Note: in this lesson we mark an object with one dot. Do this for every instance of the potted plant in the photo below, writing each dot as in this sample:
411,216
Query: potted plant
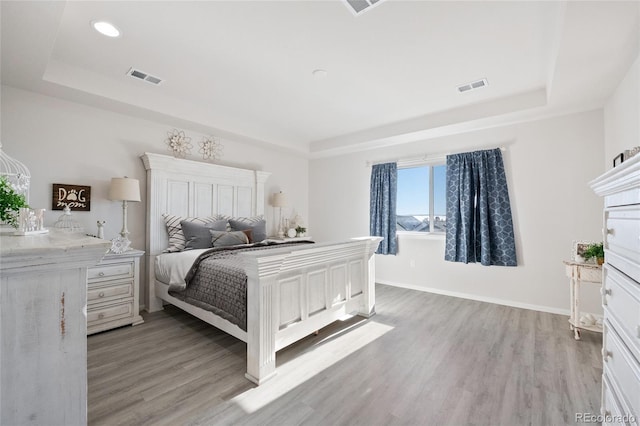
300,231
10,203
595,250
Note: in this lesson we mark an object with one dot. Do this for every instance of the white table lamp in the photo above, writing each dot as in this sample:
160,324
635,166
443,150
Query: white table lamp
280,200
123,189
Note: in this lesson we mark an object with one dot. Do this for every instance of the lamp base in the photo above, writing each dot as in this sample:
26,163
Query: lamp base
119,244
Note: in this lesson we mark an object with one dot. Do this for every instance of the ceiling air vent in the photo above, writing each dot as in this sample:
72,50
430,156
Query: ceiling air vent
360,6
473,85
141,75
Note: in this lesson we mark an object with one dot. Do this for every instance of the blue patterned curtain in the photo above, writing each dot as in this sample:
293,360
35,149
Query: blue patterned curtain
479,223
382,206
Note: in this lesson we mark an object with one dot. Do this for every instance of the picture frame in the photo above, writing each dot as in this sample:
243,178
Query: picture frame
76,197
578,250
619,159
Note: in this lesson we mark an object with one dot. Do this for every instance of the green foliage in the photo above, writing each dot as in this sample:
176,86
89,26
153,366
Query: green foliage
300,229
594,250
10,202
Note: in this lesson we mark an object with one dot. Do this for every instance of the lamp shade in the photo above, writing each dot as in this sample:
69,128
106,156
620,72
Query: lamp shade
279,199
124,189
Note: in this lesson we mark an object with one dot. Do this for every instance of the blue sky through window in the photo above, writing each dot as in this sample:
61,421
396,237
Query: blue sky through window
413,191
440,190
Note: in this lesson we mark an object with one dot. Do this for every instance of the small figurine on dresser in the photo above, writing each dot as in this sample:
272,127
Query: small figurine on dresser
101,229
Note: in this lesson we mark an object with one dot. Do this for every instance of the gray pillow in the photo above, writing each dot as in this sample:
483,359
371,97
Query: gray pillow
225,239
197,235
258,228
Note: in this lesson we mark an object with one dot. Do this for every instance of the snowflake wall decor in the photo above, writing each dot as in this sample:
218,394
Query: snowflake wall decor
178,143
210,148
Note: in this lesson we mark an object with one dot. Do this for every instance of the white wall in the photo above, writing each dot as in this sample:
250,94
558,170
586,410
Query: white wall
66,142
622,115
548,163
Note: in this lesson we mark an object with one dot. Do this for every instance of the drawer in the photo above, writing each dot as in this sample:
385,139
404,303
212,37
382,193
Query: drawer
612,412
622,239
105,313
584,272
111,271
621,299
103,293
591,274
624,367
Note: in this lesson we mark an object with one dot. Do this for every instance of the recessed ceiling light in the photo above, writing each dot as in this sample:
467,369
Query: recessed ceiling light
319,73
106,28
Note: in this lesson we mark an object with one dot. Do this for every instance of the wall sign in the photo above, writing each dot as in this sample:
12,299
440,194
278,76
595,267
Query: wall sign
77,197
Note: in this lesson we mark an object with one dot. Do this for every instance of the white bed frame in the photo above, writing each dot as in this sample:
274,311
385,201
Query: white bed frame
292,291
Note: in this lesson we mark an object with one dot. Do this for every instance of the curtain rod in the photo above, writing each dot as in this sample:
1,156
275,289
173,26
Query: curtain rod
423,159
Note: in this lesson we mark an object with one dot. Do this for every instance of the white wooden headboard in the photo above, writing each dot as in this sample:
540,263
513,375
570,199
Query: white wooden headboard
193,188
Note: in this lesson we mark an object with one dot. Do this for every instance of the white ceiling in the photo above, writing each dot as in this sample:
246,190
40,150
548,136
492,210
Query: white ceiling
243,69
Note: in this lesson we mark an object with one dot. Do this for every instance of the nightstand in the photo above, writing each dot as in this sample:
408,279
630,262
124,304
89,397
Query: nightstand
113,296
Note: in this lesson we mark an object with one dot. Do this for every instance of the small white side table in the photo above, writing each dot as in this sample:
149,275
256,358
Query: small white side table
579,273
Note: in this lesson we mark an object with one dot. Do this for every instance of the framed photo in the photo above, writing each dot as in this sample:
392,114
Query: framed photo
76,197
618,160
578,250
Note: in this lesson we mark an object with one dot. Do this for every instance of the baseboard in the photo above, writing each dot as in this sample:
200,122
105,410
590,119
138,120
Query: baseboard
468,296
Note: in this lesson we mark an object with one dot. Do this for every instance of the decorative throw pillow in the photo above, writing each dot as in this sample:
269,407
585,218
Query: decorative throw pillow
249,234
257,225
225,239
197,236
174,229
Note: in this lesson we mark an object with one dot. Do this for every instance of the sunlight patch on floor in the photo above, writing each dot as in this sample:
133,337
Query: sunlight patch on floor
306,365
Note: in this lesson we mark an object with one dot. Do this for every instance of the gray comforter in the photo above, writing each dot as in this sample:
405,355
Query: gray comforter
217,282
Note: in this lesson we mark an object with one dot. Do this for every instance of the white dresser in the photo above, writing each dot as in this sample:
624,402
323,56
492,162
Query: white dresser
113,292
43,340
620,188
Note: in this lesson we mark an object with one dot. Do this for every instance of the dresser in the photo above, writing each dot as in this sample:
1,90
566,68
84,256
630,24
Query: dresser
620,188
43,340
113,292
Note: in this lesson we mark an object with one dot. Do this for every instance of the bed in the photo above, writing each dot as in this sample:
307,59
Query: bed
292,290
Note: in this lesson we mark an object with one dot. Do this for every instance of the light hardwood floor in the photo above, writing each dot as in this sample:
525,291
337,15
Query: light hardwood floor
424,359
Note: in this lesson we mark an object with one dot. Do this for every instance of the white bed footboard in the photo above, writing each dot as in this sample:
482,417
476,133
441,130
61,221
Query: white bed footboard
293,291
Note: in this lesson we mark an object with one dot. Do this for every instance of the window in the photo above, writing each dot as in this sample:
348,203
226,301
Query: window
421,203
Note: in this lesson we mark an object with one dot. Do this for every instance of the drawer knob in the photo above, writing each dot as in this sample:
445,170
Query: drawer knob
609,231
101,294
606,355
605,292
100,316
101,274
